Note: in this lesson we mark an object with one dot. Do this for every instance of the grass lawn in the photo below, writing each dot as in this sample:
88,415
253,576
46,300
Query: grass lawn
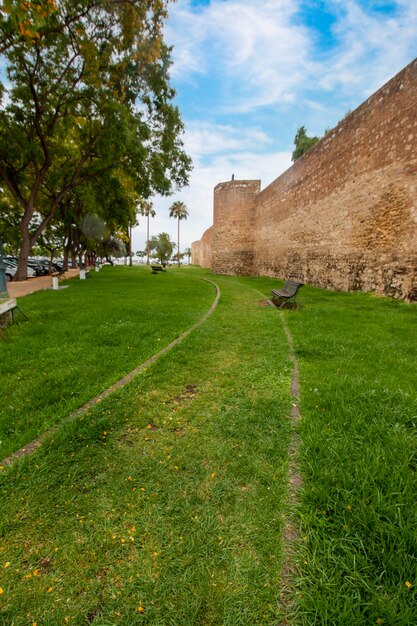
358,368
164,504
82,339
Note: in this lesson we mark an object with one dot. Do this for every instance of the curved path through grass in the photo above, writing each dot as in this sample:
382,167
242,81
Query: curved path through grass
32,446
84,339
165,503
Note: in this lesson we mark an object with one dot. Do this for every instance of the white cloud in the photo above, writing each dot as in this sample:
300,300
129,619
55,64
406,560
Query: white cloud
257,56
371,47
254,47
218,151
203,138
263,55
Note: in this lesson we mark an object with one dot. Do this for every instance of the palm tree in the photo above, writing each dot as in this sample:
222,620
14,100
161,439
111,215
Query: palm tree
187,253
146,209
180,211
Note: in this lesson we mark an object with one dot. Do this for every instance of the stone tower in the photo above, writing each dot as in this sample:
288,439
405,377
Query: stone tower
234,220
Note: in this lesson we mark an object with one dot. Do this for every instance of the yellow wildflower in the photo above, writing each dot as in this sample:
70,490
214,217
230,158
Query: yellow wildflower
6,565
140,609
1,590
408,584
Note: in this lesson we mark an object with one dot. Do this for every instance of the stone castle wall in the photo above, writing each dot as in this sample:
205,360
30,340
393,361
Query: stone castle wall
201,251
344,215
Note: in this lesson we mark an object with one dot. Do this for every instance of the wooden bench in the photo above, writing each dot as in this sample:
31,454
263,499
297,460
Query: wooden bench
7,311
157,268
281,297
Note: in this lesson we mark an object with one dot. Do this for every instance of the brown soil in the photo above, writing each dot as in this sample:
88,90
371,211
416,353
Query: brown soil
25,287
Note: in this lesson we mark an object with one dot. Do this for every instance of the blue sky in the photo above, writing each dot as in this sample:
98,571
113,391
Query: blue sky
248,73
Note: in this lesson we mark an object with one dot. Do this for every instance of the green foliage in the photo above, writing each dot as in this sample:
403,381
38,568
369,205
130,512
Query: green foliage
163,247
302,142
89,106
178,210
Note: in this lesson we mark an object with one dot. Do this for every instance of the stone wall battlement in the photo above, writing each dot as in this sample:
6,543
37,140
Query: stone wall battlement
344,216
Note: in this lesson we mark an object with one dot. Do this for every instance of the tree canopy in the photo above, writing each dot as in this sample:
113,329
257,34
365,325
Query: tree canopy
87,120
302,142
163,247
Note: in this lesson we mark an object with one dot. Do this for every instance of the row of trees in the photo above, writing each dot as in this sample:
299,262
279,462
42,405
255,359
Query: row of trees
162,244
88,128
162,248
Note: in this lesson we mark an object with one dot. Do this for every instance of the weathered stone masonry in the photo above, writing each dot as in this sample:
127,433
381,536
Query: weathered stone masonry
343,216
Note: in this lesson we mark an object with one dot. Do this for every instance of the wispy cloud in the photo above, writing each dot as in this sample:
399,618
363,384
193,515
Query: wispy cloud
255,48
203,139
250,72
263,55
371,46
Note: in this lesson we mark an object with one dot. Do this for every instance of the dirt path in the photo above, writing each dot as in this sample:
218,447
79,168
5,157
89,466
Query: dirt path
25,287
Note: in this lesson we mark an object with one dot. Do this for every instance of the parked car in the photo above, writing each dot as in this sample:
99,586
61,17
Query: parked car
11,269
41,269
56,265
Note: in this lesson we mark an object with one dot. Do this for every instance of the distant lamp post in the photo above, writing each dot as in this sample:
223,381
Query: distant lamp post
3,284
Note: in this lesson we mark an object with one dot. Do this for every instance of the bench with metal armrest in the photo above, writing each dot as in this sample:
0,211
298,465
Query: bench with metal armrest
281,297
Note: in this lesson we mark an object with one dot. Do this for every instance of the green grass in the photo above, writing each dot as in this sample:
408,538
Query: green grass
170,494
358,362
167,496
80,340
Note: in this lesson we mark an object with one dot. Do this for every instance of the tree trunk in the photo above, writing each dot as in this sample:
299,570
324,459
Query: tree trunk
130,245
22,263
147,242
178,251
67,248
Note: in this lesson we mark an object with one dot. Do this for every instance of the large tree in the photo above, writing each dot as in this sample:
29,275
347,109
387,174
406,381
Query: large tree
87,92
178,210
